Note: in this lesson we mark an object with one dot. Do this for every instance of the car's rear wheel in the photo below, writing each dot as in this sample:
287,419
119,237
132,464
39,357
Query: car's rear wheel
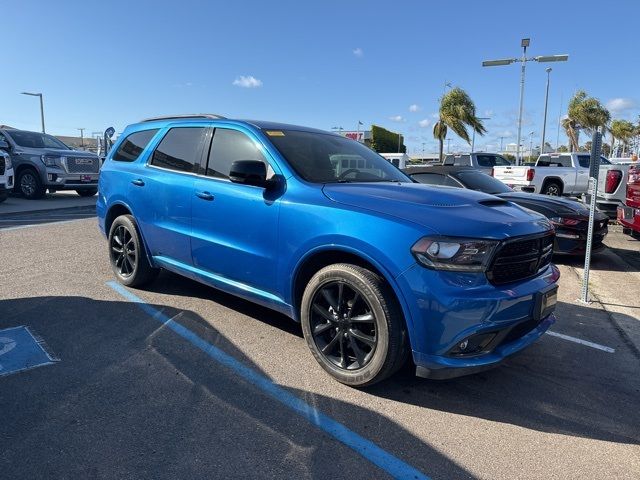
353,325
126,253
87,192
29,185
553,189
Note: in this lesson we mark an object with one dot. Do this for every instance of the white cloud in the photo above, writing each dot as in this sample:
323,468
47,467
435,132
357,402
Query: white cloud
488,113
397,118
414,108
435,116
424,123
618,105
358,52
247,82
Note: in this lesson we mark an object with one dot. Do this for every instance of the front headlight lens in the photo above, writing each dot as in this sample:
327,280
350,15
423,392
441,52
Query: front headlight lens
564,221
50,160
458,254
7,162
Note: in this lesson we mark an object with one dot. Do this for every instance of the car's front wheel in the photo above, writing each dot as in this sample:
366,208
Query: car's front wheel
29,184
126,252
353,325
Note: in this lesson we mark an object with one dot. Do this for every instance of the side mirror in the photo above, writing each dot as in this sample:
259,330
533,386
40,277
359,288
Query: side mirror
249,172
4,145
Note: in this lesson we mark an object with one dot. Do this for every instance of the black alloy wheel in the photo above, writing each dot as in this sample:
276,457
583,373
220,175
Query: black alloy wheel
124,255
343,326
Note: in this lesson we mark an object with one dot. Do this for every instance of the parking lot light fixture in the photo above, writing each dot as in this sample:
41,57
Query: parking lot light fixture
41,106
542,58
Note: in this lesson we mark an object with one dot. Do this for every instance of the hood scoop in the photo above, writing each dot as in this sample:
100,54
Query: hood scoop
493,203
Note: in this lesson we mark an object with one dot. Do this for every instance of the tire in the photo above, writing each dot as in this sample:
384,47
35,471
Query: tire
361,352
87,192
29,184
127,256
553,189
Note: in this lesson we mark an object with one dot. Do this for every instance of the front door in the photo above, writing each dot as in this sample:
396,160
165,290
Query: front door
235,227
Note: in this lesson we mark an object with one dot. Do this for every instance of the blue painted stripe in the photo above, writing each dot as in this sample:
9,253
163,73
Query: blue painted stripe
369,450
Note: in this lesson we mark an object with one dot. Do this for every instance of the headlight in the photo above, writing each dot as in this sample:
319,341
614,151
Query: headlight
564,221
7,162
450,253
50,160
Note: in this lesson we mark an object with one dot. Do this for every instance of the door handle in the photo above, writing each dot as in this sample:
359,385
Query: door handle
204,195
138,183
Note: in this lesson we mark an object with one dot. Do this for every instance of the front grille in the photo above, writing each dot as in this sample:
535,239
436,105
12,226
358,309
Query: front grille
2,164
521,258
82,165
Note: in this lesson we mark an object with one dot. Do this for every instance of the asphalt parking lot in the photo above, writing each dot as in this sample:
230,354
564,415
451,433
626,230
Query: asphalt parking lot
180,380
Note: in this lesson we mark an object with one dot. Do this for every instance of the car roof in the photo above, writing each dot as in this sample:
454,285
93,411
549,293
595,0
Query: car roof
193,118
440,169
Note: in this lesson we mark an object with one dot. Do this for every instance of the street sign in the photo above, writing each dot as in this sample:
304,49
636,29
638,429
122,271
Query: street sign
594,170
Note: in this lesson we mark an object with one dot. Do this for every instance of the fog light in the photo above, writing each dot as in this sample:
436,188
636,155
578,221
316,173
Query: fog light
463,345
473,345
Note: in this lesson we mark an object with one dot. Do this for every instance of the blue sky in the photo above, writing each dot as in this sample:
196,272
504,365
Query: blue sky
321,64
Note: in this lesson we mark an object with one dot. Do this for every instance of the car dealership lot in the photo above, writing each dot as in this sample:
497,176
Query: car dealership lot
192,382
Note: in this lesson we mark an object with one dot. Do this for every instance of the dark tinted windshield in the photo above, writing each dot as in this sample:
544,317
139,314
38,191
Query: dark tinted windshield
585,161
482,182
492,161
36,140
326,158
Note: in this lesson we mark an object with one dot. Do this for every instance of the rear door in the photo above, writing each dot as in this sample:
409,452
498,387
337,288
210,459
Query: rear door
163,193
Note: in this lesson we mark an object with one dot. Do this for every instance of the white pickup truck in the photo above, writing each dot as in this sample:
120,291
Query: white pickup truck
6,176
553,174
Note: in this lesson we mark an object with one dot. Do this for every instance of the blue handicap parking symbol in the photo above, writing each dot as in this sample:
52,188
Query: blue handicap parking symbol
21,350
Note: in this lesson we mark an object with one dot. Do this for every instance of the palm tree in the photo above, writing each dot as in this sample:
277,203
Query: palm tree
623,131
584,113
457,112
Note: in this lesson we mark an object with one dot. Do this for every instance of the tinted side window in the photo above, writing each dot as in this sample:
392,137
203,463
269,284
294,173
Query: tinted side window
430,178
486,161
227,147
462,160
180,149
133,145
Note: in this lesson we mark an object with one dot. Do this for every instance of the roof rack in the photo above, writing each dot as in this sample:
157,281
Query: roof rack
188,115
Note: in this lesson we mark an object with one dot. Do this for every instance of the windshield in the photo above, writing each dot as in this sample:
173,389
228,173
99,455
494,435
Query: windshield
482,182
36,140
326,158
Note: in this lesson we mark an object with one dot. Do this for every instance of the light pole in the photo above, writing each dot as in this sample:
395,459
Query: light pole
41,106
423,150
501,138
448,145
473,137
544,122
399,138
507,61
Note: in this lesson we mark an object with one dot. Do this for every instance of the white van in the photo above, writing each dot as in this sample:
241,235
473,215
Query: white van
400,160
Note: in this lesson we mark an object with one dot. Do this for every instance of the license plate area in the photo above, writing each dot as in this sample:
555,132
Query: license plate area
546,301
85,178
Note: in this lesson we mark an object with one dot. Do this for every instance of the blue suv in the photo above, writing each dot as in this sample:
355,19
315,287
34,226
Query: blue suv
323,229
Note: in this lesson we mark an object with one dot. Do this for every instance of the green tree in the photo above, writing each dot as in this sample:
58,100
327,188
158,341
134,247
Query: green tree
584,113
457,112
386,141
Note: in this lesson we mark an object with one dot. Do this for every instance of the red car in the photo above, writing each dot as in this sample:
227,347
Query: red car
629,215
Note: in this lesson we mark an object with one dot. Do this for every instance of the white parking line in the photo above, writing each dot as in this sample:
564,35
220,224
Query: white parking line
581,342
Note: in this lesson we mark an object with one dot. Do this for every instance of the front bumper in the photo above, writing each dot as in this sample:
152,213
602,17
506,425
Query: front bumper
448,308
574,242
58,179
7,180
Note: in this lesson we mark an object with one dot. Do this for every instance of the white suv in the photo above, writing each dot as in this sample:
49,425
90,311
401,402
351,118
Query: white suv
6,176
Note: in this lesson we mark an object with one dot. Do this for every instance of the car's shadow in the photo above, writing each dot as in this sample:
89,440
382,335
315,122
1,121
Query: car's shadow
132,399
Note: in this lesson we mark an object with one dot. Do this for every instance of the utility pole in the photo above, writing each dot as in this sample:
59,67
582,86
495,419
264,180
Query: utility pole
448,145
501,138
82,136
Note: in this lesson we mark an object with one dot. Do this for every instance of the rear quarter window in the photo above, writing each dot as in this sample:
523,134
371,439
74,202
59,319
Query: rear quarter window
132,146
